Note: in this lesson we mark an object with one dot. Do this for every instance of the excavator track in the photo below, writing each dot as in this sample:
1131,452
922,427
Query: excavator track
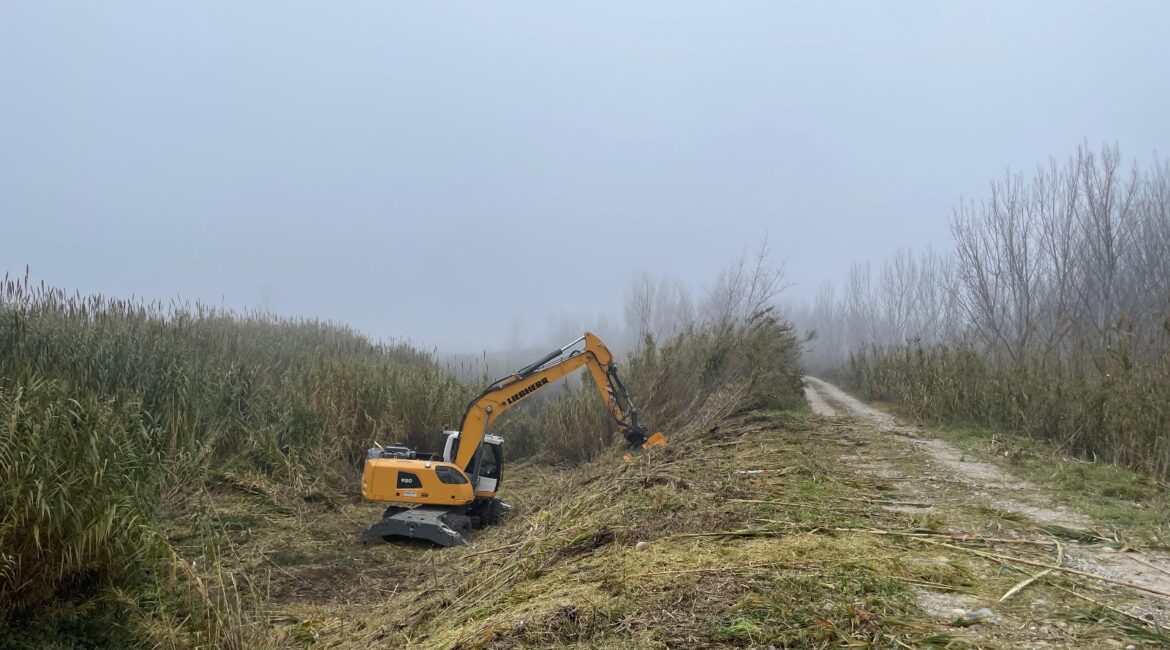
443,526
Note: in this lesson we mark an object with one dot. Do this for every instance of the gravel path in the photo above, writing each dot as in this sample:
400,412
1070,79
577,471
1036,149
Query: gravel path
984,484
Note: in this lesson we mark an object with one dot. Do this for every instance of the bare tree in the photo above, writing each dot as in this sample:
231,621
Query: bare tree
746,287
1076,255
659,307
1056,196
1105,229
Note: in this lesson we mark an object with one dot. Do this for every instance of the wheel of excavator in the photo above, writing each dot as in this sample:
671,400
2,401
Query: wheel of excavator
488,513
460,524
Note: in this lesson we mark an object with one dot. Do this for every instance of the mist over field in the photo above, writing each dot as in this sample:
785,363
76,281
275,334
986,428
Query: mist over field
879,295
470,177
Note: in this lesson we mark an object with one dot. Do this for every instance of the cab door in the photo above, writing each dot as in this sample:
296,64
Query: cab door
490,465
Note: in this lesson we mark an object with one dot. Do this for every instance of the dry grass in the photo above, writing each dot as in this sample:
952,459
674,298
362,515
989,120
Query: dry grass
801,555
565,570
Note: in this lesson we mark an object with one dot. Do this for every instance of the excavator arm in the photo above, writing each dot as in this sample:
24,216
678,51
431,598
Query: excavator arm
514,388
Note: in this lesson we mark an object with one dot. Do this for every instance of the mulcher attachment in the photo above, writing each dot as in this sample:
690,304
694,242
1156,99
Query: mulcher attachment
443,526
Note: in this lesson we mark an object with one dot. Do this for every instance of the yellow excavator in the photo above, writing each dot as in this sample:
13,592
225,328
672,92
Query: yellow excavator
440,498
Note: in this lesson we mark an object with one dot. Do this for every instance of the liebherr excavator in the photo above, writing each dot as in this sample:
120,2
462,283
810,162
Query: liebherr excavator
441,497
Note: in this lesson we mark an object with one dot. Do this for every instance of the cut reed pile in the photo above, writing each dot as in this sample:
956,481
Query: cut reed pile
754,532
566,569
756,529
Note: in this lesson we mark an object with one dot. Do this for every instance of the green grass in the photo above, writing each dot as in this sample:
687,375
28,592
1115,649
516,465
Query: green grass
1133,504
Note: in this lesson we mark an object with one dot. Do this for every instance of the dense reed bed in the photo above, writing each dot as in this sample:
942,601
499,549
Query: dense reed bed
745,364
117,416
1097,405
114,410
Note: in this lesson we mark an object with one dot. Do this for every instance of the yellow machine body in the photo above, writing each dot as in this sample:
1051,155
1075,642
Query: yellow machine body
396,480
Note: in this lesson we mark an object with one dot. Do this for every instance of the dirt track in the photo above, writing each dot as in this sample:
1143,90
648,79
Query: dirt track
937,474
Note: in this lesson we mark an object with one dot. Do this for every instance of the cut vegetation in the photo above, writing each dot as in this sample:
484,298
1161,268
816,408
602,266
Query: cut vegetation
1118,564
763,528
181,478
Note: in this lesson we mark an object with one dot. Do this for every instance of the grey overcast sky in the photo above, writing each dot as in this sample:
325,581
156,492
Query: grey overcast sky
439,171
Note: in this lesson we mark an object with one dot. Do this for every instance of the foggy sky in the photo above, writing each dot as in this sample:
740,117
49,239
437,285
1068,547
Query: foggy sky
451,172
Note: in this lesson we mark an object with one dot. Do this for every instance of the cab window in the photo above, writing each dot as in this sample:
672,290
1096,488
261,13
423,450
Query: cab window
487,462
490,461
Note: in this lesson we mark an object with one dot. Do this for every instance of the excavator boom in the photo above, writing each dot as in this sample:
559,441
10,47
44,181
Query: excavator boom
510,390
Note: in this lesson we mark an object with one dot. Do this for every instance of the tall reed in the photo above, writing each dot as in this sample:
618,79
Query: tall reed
753,364
1098,404
108,407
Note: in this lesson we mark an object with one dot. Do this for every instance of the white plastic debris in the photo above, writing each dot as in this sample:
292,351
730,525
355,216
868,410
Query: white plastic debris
978,615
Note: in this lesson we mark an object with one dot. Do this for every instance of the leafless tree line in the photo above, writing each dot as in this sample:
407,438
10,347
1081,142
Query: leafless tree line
1076,255
660,307
664,307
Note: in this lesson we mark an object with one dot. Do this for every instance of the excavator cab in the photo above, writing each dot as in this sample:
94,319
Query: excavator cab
487,466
